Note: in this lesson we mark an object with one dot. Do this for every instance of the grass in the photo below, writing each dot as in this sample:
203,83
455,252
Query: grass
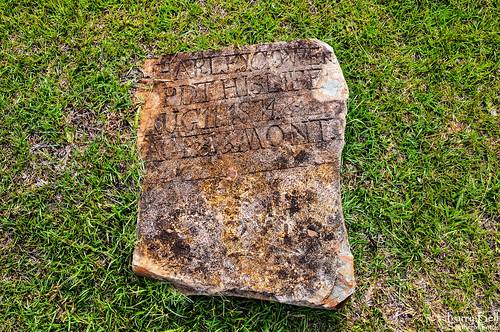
420,185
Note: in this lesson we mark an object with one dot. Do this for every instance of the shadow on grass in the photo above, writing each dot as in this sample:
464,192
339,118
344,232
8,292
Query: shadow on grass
229,313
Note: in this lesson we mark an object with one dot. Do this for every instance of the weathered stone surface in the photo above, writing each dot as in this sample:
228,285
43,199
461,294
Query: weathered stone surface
241,188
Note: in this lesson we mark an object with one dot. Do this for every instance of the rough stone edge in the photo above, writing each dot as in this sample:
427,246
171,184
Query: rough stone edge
141,267
344,92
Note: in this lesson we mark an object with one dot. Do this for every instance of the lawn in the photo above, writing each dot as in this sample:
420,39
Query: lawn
420,172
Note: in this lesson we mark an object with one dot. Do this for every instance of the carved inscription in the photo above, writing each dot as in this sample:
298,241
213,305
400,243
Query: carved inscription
163,147
175,67
240,85
241,150
226,103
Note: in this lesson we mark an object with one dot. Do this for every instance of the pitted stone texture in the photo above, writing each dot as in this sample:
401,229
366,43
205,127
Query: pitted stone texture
241,148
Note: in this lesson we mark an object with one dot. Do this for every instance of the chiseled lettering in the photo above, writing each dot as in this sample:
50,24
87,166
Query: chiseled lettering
248,107
253,139
202,66
188,94
201,90
219,65
238,63
183,69
274,135
259,60
298,132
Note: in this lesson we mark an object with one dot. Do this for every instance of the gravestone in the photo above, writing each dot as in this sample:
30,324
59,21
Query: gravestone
241,149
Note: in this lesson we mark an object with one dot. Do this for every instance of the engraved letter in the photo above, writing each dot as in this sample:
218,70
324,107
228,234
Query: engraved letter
274,135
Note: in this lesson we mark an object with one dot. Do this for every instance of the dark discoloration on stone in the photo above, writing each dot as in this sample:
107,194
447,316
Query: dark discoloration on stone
241,192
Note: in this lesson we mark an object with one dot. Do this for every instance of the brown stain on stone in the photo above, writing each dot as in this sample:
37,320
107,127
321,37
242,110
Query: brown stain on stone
241,192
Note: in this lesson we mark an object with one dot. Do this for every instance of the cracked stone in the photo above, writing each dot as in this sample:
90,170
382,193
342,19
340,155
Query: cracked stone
241,150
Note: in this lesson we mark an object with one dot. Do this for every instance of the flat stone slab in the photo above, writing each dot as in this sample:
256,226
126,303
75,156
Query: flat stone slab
241,150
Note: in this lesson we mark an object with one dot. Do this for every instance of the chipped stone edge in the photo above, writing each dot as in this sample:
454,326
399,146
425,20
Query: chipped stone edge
332,87
336,298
